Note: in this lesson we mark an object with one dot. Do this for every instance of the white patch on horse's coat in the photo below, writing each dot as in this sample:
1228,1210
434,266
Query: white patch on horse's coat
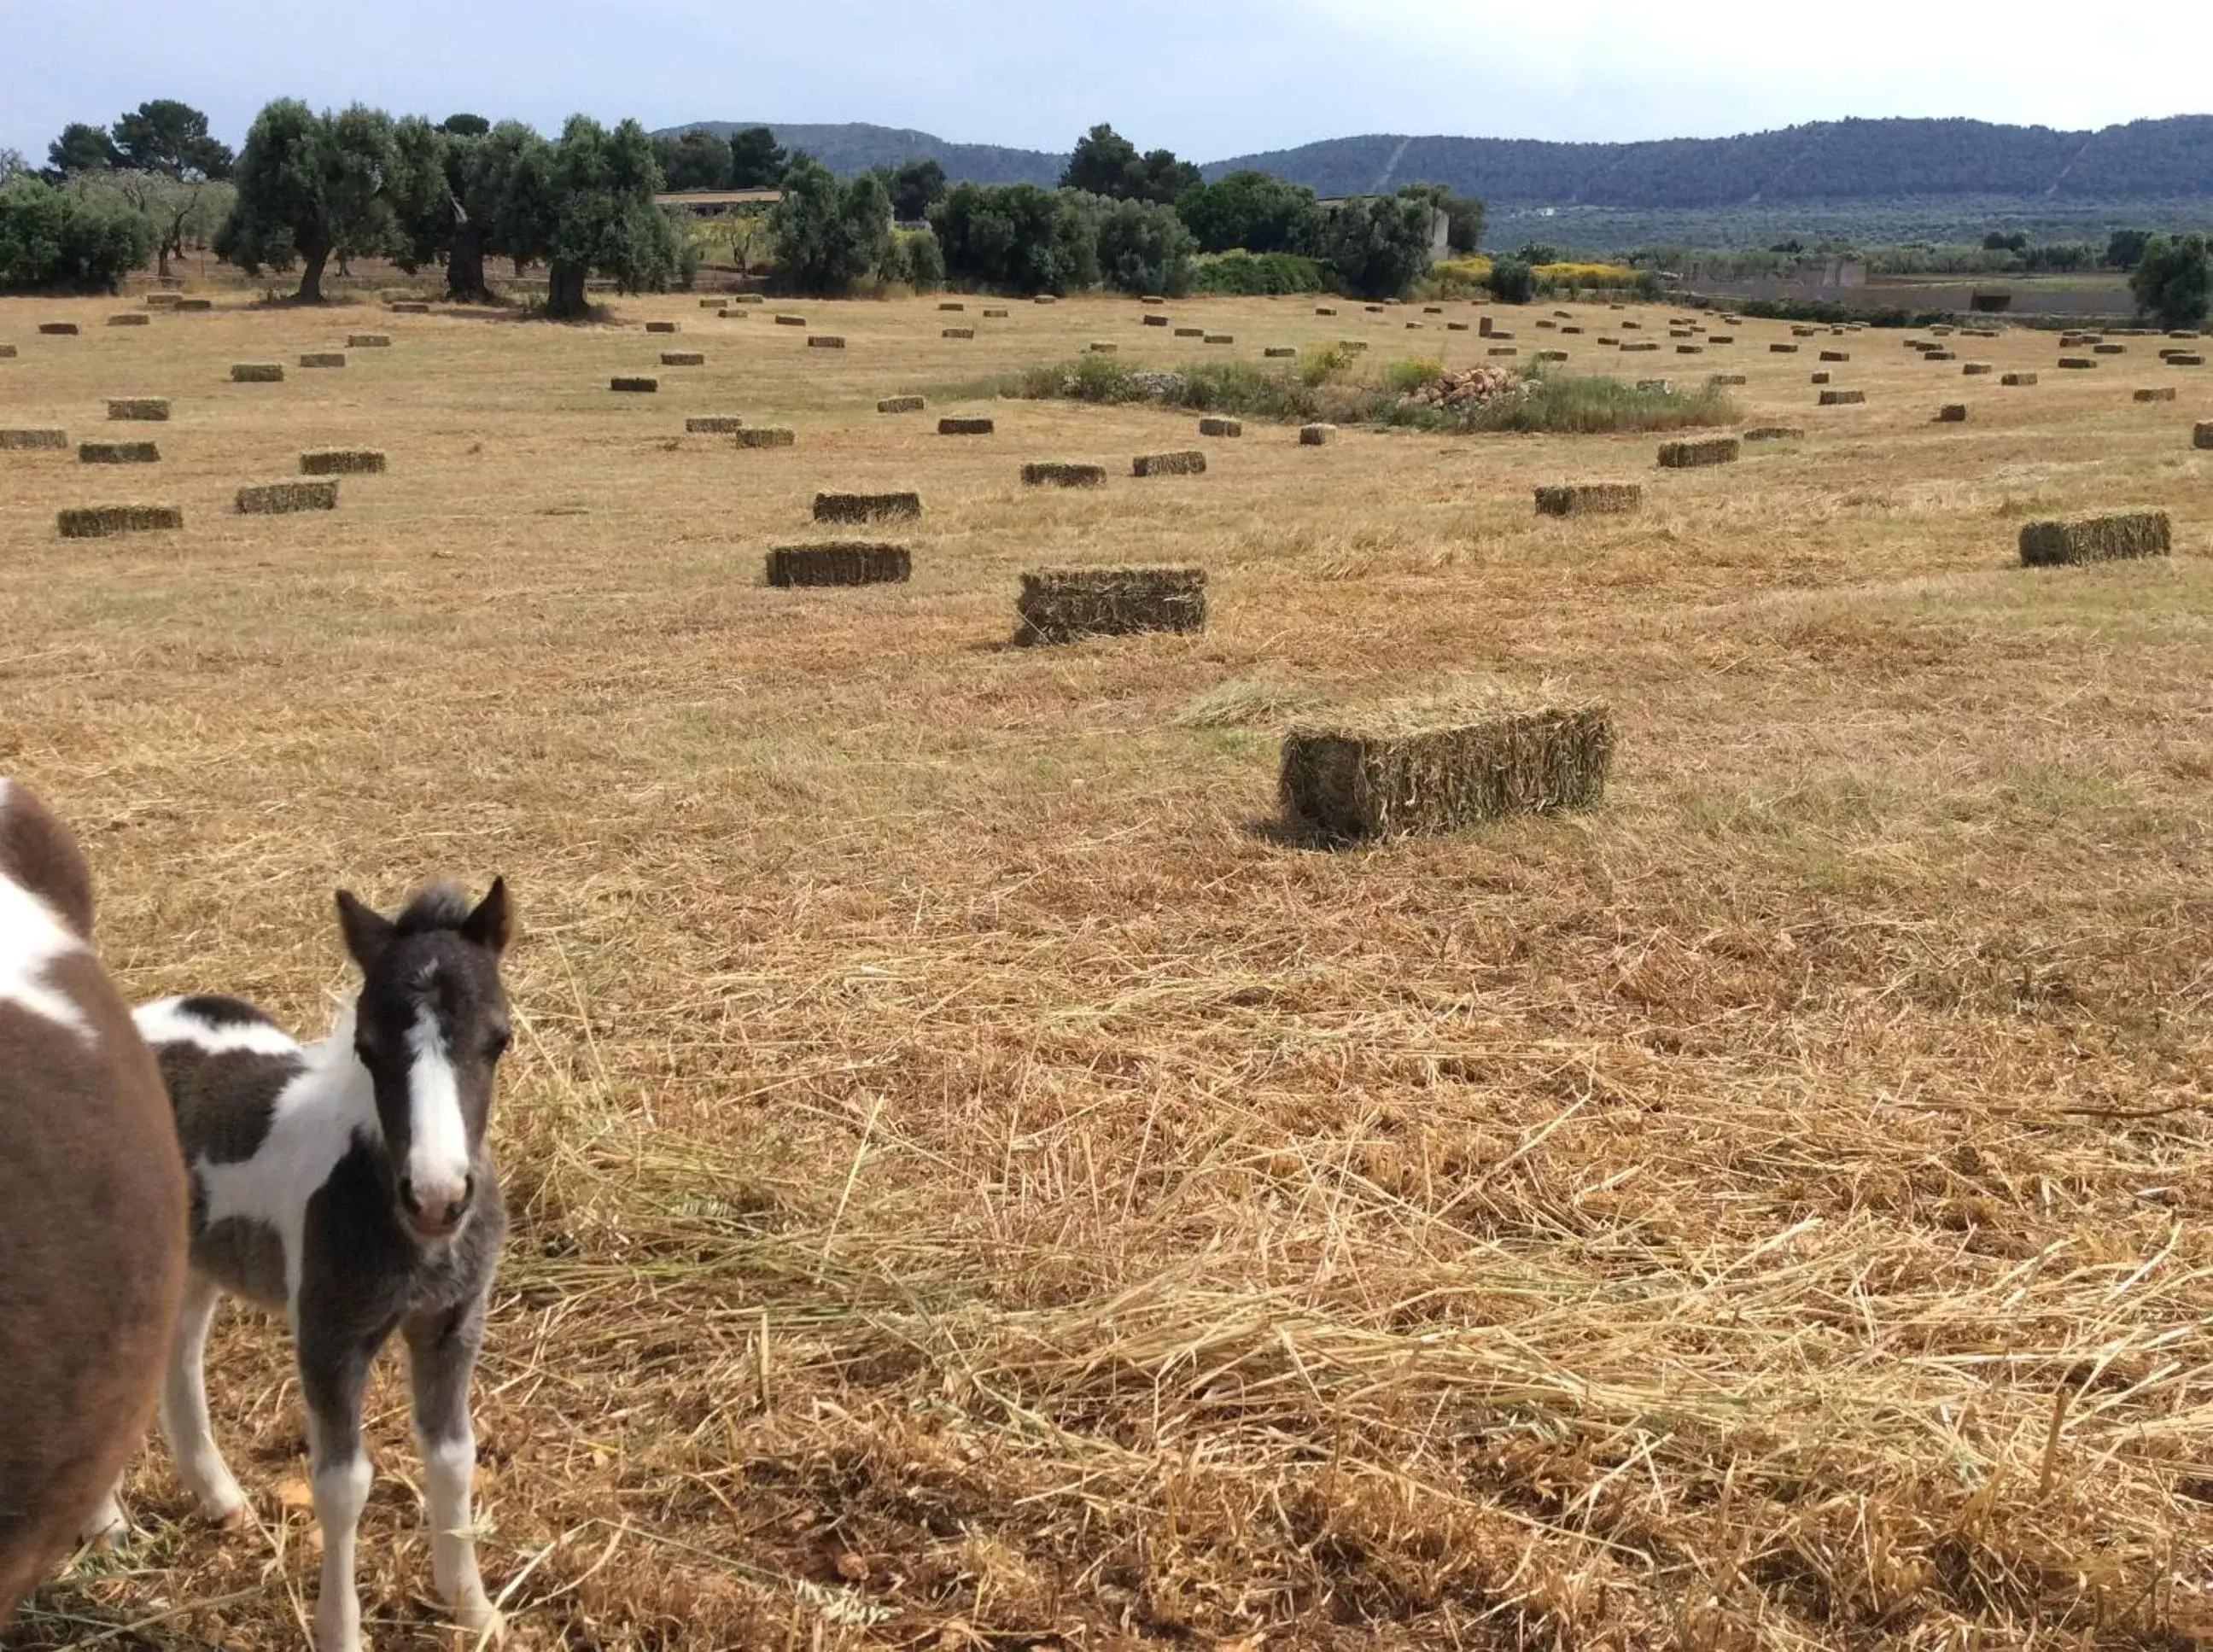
31,940
437,1136
166,1020
312,1125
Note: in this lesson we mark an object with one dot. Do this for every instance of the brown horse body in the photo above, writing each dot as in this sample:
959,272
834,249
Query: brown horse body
92,1206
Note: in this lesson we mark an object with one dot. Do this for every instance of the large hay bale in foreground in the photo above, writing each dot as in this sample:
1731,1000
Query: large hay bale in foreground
117,453
1190,462
714,424
1054,473
58,329
1222,427
1590,499
156,409
342,461
1363,784
902,404
867,507
18,441
2096,539
1843,398
842,562
368,341
632,385
257,372
98,521
683,358
282,498
1705,450
764,436
1060,605
966,427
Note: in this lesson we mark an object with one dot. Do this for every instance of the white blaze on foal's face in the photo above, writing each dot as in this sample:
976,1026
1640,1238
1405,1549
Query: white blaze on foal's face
434,1176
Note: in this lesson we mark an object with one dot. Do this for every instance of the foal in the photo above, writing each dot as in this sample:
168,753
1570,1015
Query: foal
348,1184
92,1204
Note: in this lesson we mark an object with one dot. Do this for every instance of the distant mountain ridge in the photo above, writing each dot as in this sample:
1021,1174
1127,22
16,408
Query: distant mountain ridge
1840,161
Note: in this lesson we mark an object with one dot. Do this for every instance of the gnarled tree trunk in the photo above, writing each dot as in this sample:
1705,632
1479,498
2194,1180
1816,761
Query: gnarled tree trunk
311,275
465,264
565,291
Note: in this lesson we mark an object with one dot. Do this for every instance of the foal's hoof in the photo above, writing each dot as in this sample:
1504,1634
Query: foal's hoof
482,1620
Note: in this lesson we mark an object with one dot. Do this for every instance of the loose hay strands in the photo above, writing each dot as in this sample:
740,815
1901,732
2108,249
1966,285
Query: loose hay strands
966,427
283,498
1706,450
257,372
342,461
1064,605
714,424
1590,499
842,562
150,408
902,404
764,436
116,452
867,507
1055,473
18,441
1391,779
99,522
1189,462
2096,539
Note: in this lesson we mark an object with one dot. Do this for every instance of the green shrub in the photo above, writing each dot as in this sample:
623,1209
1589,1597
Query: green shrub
1404,378
1144,248
1252,211
922,259
2173,280
57,242
1563,404
828,234
1512,281
1379,247
1258,275
1019,238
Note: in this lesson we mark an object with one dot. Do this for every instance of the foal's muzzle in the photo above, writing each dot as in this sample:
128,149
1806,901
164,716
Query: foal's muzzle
436,1212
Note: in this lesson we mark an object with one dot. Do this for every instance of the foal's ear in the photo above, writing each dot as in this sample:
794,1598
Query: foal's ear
492,922
368,932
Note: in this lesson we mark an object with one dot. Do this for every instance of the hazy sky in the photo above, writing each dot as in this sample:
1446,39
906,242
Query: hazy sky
1208,78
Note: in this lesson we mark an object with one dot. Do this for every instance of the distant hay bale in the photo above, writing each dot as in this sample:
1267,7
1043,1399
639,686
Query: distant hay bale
1191,332
1373,310
959,333
1222,427
195,306
1370,784
747,298
7,352
634,385
1189,462
714,303
58,329
1952,413
1220,339
867,507
1101,347
368,341
2013,381
117,453
1939,356
1561,354
1317,435
1280,352
952,305
1726,378
163,301
156,408
409,307
1636,344
99,522
824,341
1590,499
2165,392
1704,450
964,427
1045,298
1843,398
683,358
660,326
1503,349
2201,434
323,358
18,441
995,316
1413,326
1822,377
2076,363
1455,326
731,315
1063,605
2109,350
342,461
1154,320
901,404
1975,370
2185,358
1056,474
1836,356
1433,310
791,321
1501,332
130,318
1780,349
714,424
839,562
1483,324
1324,309
1716,338
1803,332
257,372
1355,345
2096,539
282,498
764,436
1775,433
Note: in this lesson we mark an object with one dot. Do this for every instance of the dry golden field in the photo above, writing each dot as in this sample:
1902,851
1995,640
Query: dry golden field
977,1185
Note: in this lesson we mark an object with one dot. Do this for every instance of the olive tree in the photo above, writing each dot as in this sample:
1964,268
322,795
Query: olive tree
309,186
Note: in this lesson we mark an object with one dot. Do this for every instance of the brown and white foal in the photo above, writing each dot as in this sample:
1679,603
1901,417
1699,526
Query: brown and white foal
348,1184
92,1204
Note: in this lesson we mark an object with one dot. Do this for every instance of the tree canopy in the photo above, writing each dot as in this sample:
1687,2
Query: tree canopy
915,187
1106,163
167,137
1019,237
830,234
2173,280
1252,210
310,184
757,159
82,147
604,218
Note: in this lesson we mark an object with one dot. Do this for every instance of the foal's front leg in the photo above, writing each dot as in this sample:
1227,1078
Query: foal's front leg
441,1354
333,1373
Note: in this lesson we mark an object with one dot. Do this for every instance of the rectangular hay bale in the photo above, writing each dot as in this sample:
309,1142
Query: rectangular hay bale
842,562
2096,539
1843,398
632,385
1705,450
18,441
155,409
1189,462
1222,427
2165,392
867,507
257,372
58,329
1054,473
824,341
966,427
1363,785
130,318
1062,605
99,522
117,453
763,436
2017,380
683,358
282,498
323,358
660,326
1590,499
342,461
714,424
902,404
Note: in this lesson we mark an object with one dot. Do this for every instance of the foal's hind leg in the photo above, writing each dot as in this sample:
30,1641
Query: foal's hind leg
184,1405
442,1353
